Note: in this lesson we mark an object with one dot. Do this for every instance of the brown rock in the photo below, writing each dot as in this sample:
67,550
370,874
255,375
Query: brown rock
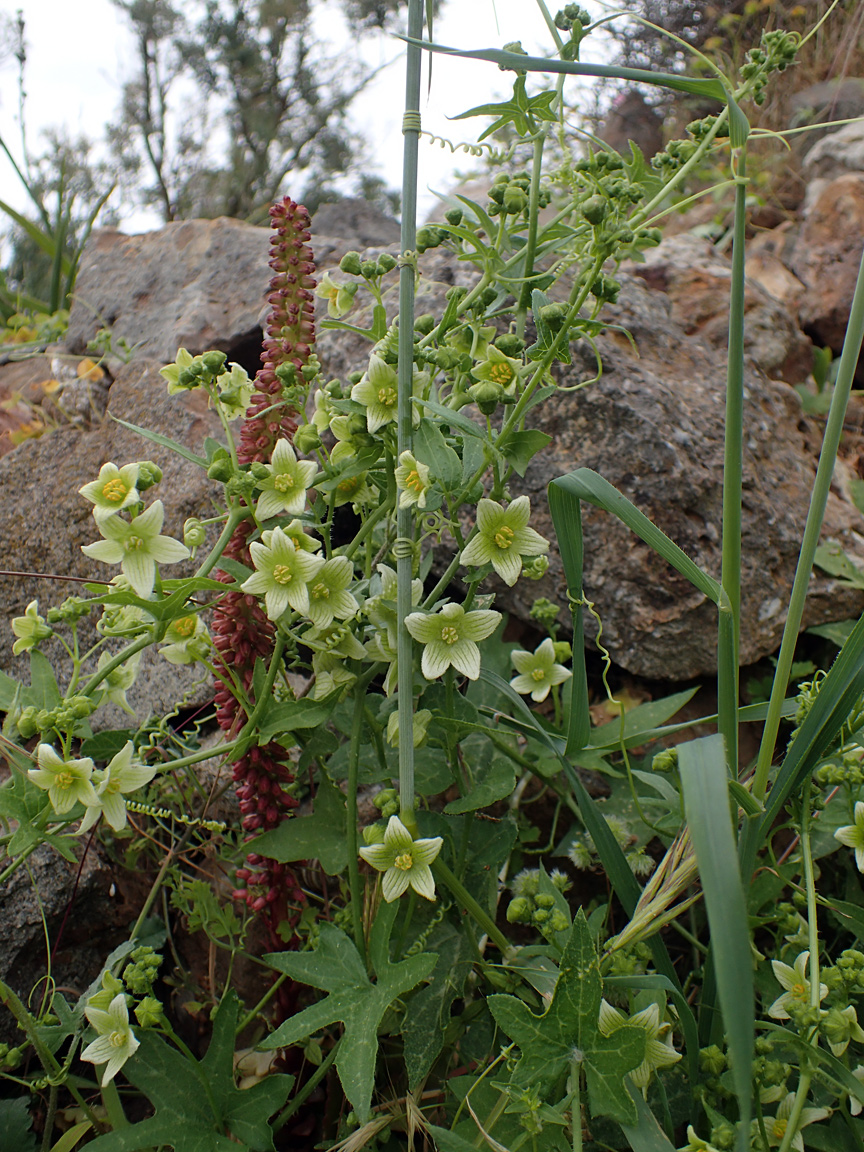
826,258
44,521
696,278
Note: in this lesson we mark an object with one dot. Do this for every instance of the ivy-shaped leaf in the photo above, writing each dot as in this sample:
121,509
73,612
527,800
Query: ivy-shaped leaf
569,1031
336,967
522,111
198,1106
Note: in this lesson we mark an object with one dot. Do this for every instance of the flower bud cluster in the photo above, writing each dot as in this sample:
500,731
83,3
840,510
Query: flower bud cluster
140,974
530,906
509,196
776,52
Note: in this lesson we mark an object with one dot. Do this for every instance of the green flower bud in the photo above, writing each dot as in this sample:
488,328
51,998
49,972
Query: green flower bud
149,1012
214,362
71,610
563,651
712,1060
544,900
258,470
286,374
424,324
386,262
558,921
306,439
353,378
369,269
221,470
453,216
665,761
541,915
13,1058
27,722
487,396
186,378
519,910
510,344
350,263
79,707
554,315
385,797
194,533
595,210
515,200
148,475
374,833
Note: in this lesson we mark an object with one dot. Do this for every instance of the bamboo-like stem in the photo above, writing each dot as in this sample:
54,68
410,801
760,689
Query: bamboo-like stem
812,528
351,819
730,623
405,516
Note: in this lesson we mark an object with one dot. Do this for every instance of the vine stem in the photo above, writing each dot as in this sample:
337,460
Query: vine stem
449,880
405,415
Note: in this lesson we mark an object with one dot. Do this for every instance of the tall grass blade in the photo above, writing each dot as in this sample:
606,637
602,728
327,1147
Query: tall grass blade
704,781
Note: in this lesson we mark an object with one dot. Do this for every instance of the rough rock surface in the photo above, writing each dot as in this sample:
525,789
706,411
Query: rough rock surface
696,280
357,221
44,521
827,256
836,154
197,284
84,905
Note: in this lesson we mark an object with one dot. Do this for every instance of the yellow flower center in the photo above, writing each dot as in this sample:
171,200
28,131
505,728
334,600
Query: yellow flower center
413,481
504,536
321,592
500,373
115,491
64,779
282,574
799,991
350,485
778,1128
134,544
404,863
538,674
117,1039
449,634
185,627
283,482
387,396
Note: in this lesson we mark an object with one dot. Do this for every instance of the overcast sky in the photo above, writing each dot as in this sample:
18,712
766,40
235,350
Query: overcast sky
81,51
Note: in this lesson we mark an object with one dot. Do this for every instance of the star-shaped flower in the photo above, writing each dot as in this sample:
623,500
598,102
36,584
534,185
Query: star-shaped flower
117,683
378,393
776,1126
31,629
67,782
116,1041
283,573
171,372
137,546
450,638
284,490
498,369
412,480
795,984
659,1052
503,538
538,672
188,640
339,297
113,490
329,598
121,775
404,861
840,1025
852,835
235,391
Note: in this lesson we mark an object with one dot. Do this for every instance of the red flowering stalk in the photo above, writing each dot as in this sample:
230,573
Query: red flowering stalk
241,631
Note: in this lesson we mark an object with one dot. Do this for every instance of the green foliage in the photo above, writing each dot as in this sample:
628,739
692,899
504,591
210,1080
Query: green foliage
198,1107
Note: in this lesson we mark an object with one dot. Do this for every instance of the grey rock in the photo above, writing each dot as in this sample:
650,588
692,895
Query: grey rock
198,284
44,521
83,917
355,220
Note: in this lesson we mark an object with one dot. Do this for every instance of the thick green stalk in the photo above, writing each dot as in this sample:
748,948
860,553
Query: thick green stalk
729,628
468,902
405,516
354,881
531,239
810,541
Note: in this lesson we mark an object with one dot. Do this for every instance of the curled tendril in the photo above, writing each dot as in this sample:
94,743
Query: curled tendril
488,150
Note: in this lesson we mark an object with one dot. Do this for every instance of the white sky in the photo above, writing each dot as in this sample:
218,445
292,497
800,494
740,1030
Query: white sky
81,51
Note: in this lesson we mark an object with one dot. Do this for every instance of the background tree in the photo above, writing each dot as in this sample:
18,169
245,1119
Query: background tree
262,97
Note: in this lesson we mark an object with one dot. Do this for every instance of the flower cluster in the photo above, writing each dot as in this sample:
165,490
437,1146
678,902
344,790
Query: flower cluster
101,791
